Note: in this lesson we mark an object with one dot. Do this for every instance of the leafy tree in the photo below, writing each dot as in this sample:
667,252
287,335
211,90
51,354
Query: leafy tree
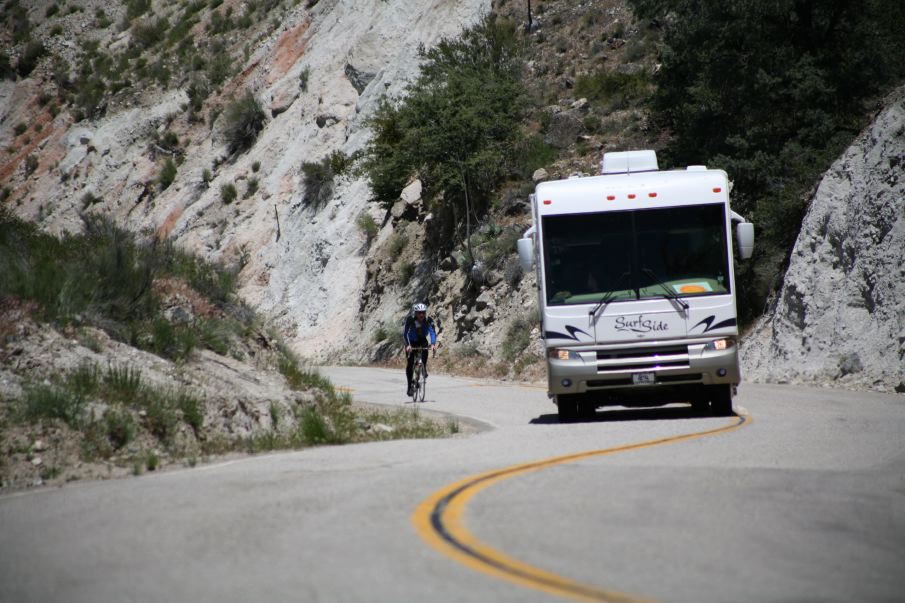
457,126
771,92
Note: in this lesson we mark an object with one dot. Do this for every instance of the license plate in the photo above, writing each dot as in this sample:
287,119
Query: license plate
644,378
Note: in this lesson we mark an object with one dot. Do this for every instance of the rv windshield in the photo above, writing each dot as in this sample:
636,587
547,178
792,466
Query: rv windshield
638,254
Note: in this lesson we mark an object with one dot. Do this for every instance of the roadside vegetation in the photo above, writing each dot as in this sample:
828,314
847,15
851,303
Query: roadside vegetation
110,279
457,128
127,414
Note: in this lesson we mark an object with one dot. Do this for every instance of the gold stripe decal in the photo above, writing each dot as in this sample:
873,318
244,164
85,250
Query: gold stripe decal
439,520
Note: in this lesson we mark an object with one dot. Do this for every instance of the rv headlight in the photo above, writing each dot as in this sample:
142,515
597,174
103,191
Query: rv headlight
561,354
718,345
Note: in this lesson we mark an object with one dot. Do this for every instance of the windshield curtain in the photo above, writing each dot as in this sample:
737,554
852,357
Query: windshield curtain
636,254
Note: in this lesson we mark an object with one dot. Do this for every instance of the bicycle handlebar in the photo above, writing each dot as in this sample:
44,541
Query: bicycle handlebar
425,349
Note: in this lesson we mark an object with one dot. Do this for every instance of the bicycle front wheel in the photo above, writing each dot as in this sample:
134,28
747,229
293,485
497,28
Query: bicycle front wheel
416,381
422,380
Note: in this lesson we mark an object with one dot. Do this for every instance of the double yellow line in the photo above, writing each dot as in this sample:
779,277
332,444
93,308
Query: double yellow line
439,520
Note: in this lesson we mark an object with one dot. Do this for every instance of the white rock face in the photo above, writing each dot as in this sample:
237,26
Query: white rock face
304,268
311,279
840,318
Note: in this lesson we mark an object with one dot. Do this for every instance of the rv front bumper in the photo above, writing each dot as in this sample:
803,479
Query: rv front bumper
648,365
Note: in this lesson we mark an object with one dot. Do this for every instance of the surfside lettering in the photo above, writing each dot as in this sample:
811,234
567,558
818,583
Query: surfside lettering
640,325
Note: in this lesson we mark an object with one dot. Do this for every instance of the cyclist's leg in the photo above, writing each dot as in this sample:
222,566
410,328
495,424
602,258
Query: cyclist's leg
410,362
424,360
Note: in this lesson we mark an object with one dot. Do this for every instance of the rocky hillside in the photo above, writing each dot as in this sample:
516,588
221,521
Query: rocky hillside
840,317
317,68
234,129
155,153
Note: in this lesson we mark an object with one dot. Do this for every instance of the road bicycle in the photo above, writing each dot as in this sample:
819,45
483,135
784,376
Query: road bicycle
419,375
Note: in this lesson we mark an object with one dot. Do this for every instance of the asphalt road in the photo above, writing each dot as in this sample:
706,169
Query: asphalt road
801,498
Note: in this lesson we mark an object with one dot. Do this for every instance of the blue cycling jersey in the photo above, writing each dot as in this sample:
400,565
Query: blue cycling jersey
417,333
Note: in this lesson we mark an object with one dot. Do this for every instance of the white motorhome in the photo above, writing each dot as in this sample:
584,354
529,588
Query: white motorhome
636,286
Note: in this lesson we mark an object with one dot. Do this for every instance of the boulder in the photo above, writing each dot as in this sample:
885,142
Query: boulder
359,79
563,130
411,194
283,97
539,175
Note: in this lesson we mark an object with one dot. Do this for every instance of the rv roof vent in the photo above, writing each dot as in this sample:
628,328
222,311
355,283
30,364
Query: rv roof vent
626,162
697,168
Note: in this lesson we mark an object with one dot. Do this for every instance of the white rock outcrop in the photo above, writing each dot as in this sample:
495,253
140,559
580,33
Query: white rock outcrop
840,317
318,76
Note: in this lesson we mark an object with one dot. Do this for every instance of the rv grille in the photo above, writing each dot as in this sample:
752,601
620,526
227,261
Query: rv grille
661,379
642,359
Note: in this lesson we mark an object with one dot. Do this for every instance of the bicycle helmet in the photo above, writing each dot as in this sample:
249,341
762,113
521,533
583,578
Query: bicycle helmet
419,307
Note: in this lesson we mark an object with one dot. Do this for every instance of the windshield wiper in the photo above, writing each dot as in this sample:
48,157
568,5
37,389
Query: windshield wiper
668,293
608,296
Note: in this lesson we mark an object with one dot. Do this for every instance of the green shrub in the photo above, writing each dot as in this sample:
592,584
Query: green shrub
396,244
244,120
220,66
19,129
302,379
303,79
31,164
152,462
122,383
215,335
85,380
518,336
161,417
382,333
149,33
53,402
119,427
137,8
617,89
192,410
198,90
405,272
367,225
275,415
313,428
340,163
255,166
215,282
228,192
175,342
6,69
167,174
30,56
318,182
532,153
251,187
16,17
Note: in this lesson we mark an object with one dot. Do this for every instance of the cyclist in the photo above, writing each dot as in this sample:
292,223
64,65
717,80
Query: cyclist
417,332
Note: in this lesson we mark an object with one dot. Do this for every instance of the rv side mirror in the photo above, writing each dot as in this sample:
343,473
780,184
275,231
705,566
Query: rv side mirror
526,253
744,235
